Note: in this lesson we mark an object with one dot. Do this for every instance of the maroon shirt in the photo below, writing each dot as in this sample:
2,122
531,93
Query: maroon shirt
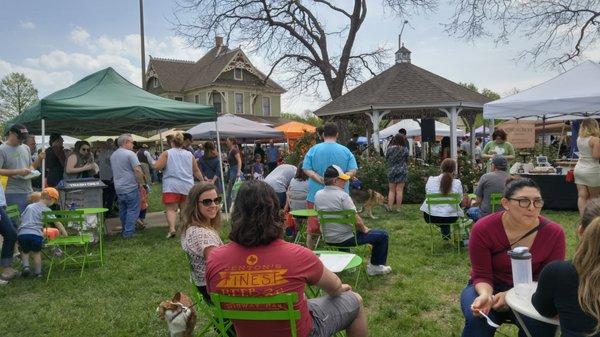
488,236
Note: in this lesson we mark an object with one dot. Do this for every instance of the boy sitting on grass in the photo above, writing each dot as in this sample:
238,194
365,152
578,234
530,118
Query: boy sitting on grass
31,236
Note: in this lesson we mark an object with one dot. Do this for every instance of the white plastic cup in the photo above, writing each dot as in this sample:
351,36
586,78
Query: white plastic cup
520,260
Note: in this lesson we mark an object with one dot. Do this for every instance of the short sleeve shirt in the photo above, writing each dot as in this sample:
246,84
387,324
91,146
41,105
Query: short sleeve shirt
123,162
231,156
281,177
16,157
504,149
323,155
194,242
279,267
333,198
489,183
447,211
31,220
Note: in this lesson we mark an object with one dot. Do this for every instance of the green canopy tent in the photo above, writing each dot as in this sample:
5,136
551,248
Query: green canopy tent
105,103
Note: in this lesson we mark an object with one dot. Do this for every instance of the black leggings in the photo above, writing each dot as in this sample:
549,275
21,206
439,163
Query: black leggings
205,294
445,229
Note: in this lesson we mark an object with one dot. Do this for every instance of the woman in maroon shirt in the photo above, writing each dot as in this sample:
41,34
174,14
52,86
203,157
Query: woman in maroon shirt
491,276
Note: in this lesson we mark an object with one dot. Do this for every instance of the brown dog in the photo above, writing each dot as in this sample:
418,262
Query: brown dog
375,199
180,315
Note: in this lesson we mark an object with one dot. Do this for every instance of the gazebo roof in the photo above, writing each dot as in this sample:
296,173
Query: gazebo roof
407,91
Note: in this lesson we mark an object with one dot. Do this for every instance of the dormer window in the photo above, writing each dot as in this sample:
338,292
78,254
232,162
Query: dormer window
154,82
238,74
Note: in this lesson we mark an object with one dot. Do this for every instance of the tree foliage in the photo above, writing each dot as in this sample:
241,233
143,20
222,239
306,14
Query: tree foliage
559,30
293,36
16,93
307,118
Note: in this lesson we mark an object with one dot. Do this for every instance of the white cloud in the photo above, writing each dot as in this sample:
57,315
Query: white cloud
80,36
27,24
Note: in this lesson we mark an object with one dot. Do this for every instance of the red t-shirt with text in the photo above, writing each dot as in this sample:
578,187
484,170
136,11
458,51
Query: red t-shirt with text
279,267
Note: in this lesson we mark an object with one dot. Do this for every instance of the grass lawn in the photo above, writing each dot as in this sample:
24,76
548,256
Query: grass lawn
419,298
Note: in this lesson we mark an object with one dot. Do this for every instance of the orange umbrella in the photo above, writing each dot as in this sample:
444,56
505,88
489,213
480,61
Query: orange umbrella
295,130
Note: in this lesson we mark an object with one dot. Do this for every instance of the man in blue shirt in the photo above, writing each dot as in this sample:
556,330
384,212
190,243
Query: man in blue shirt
317,160
272,155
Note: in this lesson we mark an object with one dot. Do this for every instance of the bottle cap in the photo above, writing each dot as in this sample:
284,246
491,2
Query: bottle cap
520,253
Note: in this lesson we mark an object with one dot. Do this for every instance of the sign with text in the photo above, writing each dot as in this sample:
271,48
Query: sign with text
521,134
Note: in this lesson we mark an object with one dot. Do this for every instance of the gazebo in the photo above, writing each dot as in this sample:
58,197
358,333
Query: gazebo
405,91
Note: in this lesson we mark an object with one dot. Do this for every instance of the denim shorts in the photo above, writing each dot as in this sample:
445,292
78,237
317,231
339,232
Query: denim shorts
331,314
30,243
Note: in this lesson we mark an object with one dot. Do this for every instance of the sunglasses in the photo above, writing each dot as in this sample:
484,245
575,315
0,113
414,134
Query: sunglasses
209,202
525,203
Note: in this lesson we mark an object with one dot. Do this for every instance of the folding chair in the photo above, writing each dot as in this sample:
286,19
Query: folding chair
345,217
495,201
287,299
74,247
458,227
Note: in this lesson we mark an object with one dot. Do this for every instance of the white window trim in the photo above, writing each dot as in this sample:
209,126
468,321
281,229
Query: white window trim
241,72
235,102
262,105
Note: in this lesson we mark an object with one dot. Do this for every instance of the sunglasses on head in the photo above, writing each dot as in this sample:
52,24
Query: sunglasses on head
209,202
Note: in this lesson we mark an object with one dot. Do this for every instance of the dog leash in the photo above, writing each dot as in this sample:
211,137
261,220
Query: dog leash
179,313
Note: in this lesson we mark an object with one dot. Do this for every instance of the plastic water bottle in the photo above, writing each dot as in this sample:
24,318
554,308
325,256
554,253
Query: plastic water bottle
520,260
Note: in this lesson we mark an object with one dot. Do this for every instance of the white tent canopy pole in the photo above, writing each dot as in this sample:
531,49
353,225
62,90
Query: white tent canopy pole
43,149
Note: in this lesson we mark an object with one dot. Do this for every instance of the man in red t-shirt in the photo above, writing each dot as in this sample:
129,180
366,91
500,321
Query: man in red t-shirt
258,263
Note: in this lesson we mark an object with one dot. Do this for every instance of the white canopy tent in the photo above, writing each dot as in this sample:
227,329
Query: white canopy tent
68,142
413,129
574,94
234,126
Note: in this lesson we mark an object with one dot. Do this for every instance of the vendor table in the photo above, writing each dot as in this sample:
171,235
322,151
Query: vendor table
557,193
101,229
522,306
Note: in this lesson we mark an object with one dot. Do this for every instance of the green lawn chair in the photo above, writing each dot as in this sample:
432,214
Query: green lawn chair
287,299
346,217
459,228
74,246
14,213
495,201
206,309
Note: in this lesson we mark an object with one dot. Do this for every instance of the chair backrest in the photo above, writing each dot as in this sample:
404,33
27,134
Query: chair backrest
70,219
345,217
14,213
452,199
287,299
495,201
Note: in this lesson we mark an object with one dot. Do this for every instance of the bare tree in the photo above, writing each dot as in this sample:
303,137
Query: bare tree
294,36
560,30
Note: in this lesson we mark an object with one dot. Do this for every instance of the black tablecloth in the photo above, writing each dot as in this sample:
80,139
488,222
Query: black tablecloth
558,194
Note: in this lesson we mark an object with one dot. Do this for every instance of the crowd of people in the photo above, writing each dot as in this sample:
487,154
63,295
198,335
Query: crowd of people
191,186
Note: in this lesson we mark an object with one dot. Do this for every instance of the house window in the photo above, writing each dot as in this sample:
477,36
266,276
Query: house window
217,102
239,103
196,99
266,105
238,74
179,99
154,82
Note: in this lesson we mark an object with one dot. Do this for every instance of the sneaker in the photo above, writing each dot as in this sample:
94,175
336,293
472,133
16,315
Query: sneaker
171,235
373,270
26,272
38,275
9,273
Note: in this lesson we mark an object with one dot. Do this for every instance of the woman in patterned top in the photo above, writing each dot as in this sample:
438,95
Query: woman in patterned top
397,159
200,231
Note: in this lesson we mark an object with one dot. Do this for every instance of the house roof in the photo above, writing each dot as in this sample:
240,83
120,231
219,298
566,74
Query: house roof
404,87
180,75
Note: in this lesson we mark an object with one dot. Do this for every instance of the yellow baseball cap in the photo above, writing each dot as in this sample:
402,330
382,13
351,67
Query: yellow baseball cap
335,171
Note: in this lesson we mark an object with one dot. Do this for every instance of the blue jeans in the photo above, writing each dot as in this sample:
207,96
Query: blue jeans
377,238
478,327
19,199
282,197
129,210
232,175
9,235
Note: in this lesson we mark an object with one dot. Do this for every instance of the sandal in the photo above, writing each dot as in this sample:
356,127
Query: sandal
171,235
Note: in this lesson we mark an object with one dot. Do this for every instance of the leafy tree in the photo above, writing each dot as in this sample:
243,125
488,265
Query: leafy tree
307,118
293,36
558,30
16,93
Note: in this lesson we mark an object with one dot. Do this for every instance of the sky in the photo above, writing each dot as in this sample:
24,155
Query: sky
56,43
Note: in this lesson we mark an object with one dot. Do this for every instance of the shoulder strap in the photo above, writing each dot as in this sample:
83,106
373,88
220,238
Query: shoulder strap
542,223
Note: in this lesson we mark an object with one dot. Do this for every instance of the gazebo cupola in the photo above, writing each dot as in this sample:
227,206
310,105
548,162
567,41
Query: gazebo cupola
403,55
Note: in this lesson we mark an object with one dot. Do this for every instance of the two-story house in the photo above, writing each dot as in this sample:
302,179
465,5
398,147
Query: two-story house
224,78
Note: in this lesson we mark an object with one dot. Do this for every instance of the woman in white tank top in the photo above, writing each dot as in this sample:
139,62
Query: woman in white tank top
587,170
179,169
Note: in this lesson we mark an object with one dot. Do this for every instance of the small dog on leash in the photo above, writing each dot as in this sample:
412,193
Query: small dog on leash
375,199
179,314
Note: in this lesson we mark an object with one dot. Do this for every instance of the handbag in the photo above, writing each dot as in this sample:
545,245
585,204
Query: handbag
570,176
